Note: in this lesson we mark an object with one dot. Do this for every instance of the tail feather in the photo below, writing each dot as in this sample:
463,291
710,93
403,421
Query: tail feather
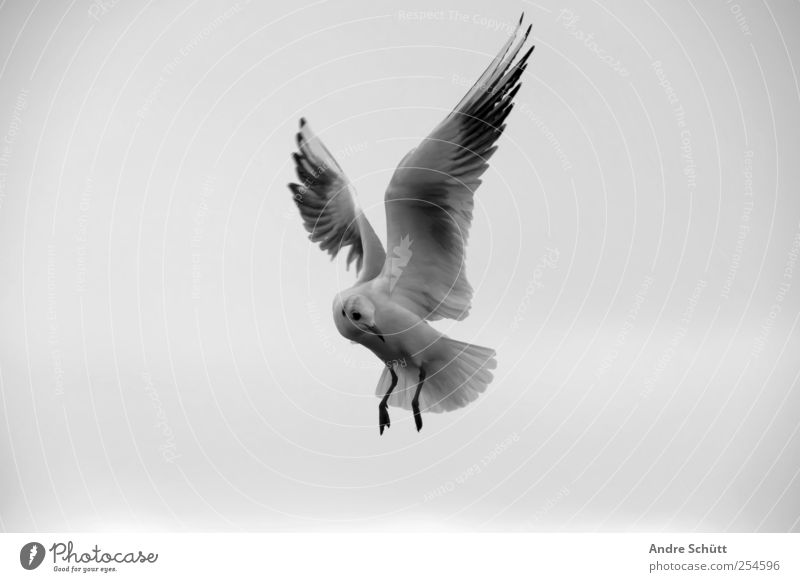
456,378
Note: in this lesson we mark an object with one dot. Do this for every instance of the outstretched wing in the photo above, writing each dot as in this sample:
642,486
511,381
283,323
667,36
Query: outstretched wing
326,200
429,200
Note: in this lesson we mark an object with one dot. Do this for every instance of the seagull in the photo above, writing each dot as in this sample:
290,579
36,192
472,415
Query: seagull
428,204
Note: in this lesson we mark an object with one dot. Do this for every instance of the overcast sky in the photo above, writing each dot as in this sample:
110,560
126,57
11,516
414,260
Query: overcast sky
167,354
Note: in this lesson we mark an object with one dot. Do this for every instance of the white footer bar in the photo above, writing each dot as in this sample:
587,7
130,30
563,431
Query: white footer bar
383,557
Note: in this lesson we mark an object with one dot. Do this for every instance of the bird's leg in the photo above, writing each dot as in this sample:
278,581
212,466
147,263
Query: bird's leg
383,407
415,401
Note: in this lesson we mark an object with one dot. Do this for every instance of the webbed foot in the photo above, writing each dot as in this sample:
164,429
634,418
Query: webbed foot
417,415
383,417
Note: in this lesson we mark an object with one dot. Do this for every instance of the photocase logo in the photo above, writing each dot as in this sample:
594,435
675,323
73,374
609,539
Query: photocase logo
31,555
401,254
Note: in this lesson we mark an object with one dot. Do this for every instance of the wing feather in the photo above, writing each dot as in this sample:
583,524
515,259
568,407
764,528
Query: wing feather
429,201
327,205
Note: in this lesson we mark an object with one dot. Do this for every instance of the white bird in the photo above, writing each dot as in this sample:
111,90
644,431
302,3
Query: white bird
429,204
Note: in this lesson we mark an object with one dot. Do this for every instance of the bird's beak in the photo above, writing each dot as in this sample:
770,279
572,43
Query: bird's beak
376,331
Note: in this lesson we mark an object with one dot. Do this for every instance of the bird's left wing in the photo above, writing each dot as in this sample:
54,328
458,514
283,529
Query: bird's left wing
327,204
429,200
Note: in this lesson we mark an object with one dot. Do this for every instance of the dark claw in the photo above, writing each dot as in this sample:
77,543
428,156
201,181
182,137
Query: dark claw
383,417
417,415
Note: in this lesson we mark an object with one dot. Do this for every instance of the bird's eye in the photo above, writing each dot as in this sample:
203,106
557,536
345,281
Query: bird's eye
343,313
356,315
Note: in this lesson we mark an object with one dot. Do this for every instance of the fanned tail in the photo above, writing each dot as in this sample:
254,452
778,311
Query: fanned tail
458,378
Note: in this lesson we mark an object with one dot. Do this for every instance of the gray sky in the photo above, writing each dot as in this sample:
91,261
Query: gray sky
167,356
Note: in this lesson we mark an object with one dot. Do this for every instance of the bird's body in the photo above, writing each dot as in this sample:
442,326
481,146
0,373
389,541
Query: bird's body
429,204
401,329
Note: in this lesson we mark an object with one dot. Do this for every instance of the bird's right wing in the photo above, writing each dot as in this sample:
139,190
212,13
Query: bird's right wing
429,200
326,201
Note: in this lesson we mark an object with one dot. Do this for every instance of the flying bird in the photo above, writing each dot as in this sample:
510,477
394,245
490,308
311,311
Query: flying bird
428,203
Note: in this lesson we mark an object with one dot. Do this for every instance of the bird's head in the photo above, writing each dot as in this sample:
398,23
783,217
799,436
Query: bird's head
355,316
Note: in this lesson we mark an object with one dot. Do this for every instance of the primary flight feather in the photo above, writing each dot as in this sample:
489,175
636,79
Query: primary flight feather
429,203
